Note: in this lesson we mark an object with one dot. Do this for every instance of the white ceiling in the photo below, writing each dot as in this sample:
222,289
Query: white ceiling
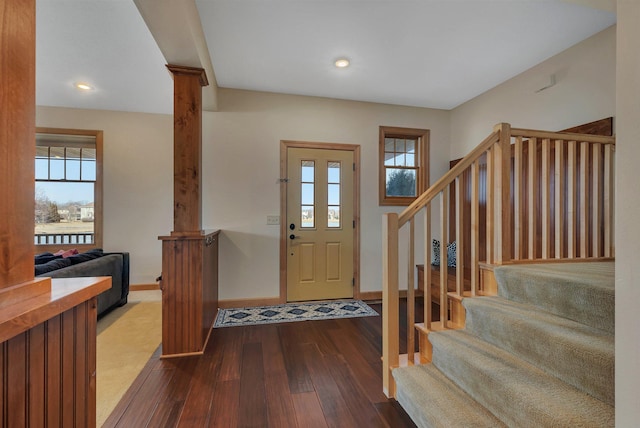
428,53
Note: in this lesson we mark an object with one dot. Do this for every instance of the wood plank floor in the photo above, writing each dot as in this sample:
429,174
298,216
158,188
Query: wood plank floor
300,374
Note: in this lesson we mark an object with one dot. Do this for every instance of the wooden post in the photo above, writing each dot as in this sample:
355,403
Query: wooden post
390,302
187,147
475,227
17,140
532,179
427,268
503,194
189,255
411,302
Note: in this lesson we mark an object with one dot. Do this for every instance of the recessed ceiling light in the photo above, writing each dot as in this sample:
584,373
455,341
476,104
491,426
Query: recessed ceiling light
342,63
84,86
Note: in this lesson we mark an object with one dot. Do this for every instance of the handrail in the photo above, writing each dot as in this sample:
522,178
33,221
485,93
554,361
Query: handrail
567,136
447,179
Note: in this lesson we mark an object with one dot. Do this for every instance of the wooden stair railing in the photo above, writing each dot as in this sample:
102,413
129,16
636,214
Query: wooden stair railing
541,196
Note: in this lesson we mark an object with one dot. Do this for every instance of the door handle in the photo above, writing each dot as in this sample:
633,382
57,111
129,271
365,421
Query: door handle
292,236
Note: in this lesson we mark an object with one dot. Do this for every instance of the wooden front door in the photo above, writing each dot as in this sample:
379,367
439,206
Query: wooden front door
320,224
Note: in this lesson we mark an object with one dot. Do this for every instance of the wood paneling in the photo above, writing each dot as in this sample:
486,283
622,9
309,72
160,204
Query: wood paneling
189,291
49,371
17,140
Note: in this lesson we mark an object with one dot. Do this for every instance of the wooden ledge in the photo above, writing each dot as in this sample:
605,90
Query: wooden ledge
196,234
64,293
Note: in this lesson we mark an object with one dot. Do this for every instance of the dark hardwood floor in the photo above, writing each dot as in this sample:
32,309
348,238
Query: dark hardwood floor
300,374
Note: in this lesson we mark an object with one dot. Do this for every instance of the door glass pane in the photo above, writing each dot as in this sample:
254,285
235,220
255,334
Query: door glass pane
307,219
333,172
307,196
333,194
307,193
308,169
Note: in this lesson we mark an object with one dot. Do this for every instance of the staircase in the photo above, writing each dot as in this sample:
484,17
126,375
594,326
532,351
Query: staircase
541,354
527,337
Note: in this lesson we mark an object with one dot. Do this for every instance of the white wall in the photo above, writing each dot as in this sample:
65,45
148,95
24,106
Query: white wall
241,163
138,180
627,215
584,92
241,158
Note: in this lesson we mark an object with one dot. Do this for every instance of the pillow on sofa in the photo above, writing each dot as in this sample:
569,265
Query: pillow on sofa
52,265
66,253
86,256
451,253
45,257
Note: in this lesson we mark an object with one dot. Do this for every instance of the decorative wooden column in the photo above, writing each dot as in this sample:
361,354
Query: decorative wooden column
189,255
17,140
47,328
187,147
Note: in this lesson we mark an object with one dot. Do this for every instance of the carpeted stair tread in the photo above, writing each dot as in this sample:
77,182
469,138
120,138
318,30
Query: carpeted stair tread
432,400
590,301
559,346
515,391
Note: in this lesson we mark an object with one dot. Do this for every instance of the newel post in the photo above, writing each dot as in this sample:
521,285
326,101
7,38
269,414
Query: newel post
502,186
390,302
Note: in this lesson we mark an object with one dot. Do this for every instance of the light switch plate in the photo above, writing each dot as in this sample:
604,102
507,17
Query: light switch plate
273,219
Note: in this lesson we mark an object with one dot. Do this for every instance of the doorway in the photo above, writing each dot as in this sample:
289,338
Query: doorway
319,243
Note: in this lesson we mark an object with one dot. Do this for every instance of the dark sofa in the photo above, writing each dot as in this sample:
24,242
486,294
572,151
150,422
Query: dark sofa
91,263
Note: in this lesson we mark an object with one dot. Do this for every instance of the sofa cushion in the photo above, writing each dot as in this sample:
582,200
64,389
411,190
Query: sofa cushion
50,266
45,257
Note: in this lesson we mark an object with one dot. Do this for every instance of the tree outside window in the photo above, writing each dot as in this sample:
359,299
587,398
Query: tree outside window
404,168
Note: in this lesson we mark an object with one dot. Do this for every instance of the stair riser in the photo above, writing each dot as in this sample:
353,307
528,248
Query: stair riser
580,301
497,384
585,362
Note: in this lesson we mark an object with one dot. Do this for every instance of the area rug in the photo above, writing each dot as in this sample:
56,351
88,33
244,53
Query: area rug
293,312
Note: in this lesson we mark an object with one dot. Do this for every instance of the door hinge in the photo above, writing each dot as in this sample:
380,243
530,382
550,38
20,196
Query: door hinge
354,166
354,224
353,282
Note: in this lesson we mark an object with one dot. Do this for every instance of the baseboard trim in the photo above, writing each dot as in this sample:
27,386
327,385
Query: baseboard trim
144,287
377,295
245,303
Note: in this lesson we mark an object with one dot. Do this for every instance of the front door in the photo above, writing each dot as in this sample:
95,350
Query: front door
320,224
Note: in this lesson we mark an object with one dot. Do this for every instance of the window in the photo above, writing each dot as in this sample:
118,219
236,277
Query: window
68,195
404,167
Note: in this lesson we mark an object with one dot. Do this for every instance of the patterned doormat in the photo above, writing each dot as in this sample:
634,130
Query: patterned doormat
293,312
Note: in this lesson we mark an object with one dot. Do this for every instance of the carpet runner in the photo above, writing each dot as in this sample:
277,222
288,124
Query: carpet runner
291,312
539,354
